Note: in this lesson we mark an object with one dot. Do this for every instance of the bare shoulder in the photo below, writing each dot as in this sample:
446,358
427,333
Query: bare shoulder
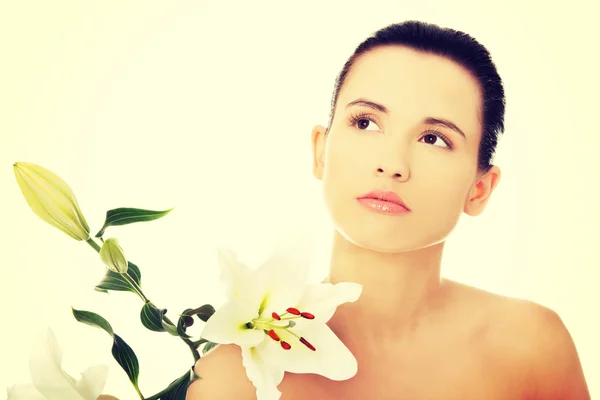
545,345
533,339
222,376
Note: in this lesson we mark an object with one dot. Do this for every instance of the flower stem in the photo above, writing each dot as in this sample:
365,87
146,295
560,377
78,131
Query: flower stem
186,340
137,389
94,245
139,291
135,286
193,349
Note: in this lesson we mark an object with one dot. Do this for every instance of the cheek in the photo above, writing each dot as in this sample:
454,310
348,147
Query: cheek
443,190
336,182
441,198
341,182
343,164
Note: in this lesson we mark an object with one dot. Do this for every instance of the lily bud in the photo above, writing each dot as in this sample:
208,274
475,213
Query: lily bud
51,199
113,256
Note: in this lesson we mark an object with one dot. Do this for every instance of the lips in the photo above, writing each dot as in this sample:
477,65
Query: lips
387,196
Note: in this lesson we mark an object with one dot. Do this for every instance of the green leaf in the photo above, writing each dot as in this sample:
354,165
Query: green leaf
187,312
172,329
124,216
199,342
121,351
115,281
152,317
93,319
181,328
208,346
177,389
203,312
126,358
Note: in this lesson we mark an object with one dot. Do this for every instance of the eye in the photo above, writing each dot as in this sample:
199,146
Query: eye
363,121
437,137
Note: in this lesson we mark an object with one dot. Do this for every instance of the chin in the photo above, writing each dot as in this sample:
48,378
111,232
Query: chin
388,234
382,241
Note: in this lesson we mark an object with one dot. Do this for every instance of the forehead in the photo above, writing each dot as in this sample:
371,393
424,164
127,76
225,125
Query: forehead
414,85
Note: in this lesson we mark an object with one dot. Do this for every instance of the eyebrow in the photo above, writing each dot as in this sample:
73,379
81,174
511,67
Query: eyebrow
428,120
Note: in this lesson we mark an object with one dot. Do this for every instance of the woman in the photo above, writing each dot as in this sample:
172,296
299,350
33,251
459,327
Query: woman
415,116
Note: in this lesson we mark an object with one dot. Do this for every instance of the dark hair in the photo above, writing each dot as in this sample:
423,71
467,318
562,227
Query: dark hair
454,45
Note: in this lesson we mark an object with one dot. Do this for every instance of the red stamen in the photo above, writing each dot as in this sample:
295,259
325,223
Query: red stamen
276,316
285,345
273,335
307,315
305,342
293,310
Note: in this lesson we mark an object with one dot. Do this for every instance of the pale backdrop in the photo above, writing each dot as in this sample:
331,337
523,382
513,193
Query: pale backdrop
209,109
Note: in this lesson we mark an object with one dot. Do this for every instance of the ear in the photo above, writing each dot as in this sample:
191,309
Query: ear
481,191
318,146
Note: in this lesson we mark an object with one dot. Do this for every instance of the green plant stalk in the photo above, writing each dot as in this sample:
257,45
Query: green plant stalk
137,389
188,342
94,245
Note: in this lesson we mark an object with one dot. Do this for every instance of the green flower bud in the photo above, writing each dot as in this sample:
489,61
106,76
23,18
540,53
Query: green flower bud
51,199
113,256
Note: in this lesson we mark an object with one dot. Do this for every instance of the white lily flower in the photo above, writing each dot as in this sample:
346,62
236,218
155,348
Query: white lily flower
279,320
50,382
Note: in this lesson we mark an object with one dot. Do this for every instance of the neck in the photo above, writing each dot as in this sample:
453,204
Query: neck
400,291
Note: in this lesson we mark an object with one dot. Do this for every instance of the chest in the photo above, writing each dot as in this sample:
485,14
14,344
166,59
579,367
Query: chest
435,373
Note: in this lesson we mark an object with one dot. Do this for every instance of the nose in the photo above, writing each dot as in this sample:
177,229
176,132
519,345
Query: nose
399,173
393,161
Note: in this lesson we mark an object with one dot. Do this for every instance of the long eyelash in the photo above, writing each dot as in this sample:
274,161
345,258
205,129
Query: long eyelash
357,116
441,136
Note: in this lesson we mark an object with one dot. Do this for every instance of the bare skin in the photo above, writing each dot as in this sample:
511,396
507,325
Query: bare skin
414,335
483,346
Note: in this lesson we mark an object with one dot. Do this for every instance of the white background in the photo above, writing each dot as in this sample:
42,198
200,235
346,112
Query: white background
209,109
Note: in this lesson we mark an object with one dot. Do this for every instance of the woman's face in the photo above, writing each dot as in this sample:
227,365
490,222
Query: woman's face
369,149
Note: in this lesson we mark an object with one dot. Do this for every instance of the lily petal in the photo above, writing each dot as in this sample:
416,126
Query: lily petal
331,358
322,299
227,324
234,274
286,272
92,382
46,372
264,375
24,392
